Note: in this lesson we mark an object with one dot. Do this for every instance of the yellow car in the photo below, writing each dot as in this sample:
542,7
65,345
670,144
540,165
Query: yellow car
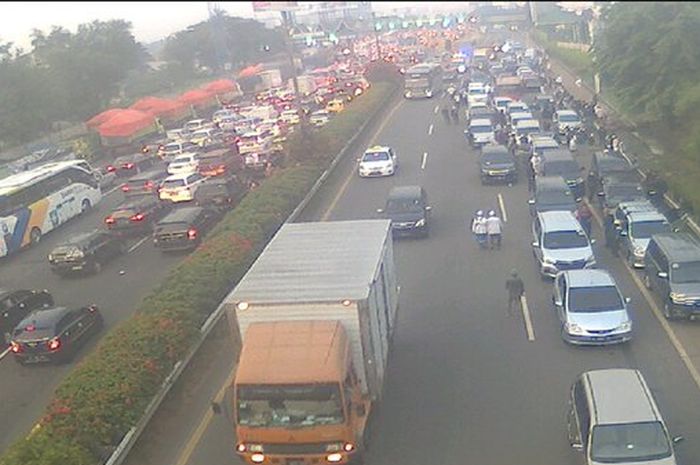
335,106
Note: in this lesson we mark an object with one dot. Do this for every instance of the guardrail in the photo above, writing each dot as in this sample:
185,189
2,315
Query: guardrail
129,440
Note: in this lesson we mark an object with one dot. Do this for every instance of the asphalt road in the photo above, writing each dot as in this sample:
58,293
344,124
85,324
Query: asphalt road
25,391
465,385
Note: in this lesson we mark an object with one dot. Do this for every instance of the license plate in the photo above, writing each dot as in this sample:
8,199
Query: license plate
76,268
37,358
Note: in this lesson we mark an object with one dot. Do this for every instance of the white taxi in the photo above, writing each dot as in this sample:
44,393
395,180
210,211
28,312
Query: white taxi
378,161
180,187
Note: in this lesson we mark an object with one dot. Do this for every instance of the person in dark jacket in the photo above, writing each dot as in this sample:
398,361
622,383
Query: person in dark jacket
611,236
516,289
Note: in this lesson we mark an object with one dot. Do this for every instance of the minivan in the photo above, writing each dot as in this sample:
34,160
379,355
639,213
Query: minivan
560,162
591,309
407,208
146,183
672,271
497,164
551,193
480,132
560,243
613,418
636,230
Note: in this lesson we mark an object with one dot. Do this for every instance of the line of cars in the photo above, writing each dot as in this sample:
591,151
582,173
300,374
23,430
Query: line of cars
612,416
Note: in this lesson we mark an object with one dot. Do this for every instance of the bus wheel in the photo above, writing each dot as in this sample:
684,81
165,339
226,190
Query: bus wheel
35,236
86,205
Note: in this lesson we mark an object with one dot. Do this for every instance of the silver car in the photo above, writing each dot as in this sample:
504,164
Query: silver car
590,308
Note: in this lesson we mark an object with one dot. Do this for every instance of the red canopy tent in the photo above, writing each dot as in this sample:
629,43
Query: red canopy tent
224,88
167,110
103,117
127,126
199,98
250,71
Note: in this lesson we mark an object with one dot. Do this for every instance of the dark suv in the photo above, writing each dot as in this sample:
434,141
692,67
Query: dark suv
183,228
407,208
497,164
86,252
54,334
145,183
136,216
220,192
15,305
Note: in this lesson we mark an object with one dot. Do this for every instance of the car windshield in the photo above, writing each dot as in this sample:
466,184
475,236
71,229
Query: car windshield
289,406
565,240
625,192
403,205
416,83
174,183
569,118
525,130
594,299
496,158
686,272
555,197
645,229
481,129
629,442
561,168
477,91
171,148
376,156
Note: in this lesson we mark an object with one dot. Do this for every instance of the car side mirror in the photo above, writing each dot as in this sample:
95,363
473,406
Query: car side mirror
677,439
536,244
623,233
593,241
662,275
22,305
601,194
360,410
675,230
531,202
428,208
628,299
577,446
556,302
380,210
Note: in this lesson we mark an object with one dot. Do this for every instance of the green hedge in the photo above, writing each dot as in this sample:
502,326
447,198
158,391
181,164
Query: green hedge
106,394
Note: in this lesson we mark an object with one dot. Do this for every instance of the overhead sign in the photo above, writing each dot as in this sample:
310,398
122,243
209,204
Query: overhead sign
274,6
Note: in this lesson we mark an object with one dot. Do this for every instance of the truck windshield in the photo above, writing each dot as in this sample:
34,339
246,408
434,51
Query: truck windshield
293,406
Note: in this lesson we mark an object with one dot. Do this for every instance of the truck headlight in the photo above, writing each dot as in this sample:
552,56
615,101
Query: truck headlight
334,458
257,458
573,328
590,260
625,327
420,223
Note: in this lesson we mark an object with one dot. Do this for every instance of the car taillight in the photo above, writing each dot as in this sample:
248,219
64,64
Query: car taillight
54,344
111,169
138,217
192,234
128,166
221,169
15,347
92,308
125,188
149,185
110,220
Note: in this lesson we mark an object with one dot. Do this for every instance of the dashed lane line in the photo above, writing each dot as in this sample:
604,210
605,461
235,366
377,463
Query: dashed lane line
138,244
424,161
502,206
436,109
430,130
526,317
4,353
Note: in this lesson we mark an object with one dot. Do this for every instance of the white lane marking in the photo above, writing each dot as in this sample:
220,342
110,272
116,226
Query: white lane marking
138,244
682,353
425,160
675,342
526,317
2,355
351,175
502,206
436,109
430,130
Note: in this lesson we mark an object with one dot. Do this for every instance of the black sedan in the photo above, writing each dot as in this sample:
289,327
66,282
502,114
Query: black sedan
54,334
136,216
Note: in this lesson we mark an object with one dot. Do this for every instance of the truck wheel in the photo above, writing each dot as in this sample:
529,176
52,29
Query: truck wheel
668,313
35,236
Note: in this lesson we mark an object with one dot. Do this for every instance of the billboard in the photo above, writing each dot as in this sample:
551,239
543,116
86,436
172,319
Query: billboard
274,6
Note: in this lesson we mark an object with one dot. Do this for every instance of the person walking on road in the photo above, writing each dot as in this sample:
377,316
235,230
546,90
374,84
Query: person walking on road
516,289
585,217
611,239
494,229
479,229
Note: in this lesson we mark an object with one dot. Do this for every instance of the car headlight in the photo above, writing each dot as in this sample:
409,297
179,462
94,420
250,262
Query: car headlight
547,261
677,297
573,328
408,94
625,326
590,259
420,223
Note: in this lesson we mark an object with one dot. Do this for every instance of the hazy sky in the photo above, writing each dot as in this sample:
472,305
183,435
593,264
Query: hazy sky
151,20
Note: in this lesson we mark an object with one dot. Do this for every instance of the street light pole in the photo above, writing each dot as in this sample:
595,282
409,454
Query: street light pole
286,16
376,36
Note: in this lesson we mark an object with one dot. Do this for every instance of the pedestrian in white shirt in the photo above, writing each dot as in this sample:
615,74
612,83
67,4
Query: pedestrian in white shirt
494,229
537,164
479,229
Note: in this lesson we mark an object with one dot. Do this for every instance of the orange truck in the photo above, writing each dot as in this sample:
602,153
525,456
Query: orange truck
315,314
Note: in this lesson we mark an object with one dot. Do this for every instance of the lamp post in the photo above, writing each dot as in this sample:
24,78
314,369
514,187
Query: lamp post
376,35
287,19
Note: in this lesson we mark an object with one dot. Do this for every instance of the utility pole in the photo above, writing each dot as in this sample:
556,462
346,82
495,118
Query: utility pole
287,24
376,36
